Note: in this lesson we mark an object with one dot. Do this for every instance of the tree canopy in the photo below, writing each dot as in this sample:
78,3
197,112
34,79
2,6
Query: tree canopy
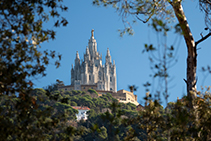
21,33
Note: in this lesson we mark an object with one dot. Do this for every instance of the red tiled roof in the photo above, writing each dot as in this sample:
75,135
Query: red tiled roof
81,108
139,107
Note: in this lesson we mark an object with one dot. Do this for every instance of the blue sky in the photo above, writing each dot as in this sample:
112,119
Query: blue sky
132,66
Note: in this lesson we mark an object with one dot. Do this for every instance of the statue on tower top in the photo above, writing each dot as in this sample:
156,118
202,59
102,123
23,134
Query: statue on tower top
92,32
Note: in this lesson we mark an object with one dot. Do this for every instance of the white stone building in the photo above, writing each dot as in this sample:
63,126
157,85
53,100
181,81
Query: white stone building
91,71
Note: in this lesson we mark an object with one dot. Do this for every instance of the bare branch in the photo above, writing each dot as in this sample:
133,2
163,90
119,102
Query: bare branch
208,1
202,39
141,19
185,81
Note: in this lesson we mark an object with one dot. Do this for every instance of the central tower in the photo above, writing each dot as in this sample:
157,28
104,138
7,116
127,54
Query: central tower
91,71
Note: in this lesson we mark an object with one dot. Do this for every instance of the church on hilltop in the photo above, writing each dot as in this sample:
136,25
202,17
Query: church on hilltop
90,73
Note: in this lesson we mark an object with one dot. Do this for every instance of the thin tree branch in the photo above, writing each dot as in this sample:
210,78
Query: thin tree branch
208,1
141,19
202,39
185,81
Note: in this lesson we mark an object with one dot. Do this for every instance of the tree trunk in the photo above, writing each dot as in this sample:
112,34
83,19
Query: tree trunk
191,48
191,57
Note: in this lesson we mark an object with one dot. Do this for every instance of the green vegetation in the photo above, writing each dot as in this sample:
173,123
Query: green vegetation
49,116
92,91
22,32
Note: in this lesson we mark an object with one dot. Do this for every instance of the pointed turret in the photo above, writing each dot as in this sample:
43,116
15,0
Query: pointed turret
87,50
108,52
77,55
92,45
77,60
108,56
87,55
72,75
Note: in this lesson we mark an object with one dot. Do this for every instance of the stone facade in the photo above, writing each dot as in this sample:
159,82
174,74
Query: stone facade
90,70
66,88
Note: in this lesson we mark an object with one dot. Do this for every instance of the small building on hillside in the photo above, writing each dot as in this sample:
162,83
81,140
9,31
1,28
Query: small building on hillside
82,112
125,97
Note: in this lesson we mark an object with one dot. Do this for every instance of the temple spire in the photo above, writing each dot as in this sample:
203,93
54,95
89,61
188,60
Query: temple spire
87,50
77,60
92,45
108,56
108,52
77,55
